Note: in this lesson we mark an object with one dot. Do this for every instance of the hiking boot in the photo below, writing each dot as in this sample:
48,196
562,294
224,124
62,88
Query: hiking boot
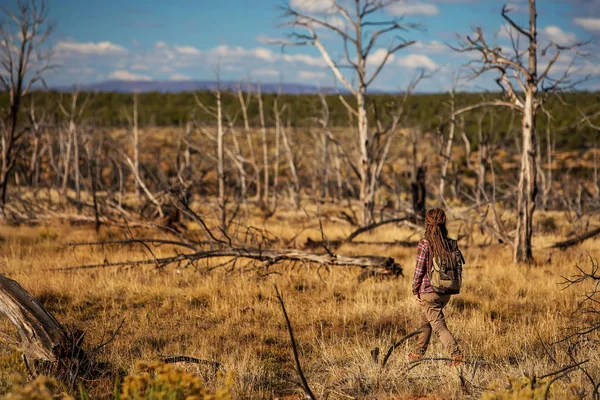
413,357
457,360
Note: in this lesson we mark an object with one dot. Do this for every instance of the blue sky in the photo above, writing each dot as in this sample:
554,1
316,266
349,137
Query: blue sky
187,39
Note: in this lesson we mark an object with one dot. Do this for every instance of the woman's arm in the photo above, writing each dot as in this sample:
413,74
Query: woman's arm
421,265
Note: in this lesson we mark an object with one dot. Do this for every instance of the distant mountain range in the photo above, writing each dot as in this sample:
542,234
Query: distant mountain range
191,85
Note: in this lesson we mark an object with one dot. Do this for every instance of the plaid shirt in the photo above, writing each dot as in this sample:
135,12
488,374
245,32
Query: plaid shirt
421,279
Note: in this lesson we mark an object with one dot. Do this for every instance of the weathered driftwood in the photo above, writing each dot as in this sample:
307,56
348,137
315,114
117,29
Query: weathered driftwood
40,333
579,239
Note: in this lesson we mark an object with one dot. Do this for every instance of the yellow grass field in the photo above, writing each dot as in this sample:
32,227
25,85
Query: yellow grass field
501,318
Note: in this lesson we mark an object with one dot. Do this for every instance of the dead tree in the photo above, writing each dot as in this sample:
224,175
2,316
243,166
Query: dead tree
38,125
525,90
447,150
136,143
217,113
73,114
289,155
238,160
265,148
546,176
324,122
419,175
244,103
277,113
356,34
24,61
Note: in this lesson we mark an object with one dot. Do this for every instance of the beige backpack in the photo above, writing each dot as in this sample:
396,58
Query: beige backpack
447,279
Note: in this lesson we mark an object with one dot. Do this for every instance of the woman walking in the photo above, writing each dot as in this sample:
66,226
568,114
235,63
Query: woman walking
437,255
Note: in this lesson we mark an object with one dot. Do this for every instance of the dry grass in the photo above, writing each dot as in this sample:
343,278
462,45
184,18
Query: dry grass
234,318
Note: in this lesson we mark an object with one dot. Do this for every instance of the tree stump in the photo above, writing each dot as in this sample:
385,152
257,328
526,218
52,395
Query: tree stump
47,346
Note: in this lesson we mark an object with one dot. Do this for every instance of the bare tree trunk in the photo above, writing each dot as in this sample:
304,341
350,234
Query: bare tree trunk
549,151
292,166
220,158
366,196
338,172
53,164
277,138
447,152
187,157
33,165
238,160
76,168
324,164
244,106
419,190
324,145
263,131
481,160
120,171
67,160
136,144
527,190
596,187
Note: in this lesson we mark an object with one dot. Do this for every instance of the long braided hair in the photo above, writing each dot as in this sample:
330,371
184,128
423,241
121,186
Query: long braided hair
437,235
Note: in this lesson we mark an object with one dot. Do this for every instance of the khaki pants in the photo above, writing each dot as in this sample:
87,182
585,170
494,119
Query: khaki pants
432,318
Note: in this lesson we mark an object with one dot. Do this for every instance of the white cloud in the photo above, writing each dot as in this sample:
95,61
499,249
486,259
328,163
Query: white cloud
160,44
304,59
90,48
313,6
179,77
430,47
377,57
265,72
309,75
263,54
417,61
591,24
413,8
123,75
558,36
187,50
139,67
226,52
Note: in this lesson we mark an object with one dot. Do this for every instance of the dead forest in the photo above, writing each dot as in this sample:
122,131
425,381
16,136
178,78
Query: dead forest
320,213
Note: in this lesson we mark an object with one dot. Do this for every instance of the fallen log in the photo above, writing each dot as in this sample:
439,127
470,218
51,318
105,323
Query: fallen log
267,256
334,244
579,239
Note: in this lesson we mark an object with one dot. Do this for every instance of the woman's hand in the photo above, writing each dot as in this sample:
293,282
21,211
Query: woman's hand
418,297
